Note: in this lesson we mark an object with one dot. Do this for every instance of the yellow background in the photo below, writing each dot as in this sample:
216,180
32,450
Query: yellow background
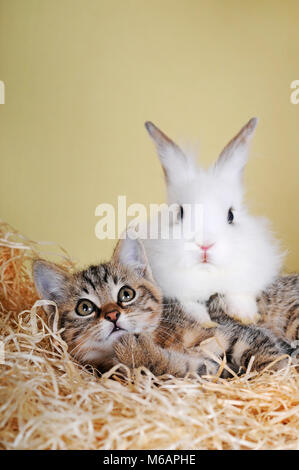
82,76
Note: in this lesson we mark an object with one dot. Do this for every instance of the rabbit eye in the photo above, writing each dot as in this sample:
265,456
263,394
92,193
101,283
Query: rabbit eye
85,307
230,216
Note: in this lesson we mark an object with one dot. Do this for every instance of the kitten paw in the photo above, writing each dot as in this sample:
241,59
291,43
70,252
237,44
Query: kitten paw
135,350
243,308
124,347
207,367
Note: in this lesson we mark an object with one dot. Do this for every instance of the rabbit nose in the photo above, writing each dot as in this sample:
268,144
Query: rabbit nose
112,316
206,247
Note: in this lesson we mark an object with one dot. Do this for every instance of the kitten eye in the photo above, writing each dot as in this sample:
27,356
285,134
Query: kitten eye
126,294
230,216
85,307
181,212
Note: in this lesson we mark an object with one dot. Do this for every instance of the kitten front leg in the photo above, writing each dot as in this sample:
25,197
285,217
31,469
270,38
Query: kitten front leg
135,350
140,351
242,307
242,343
239,344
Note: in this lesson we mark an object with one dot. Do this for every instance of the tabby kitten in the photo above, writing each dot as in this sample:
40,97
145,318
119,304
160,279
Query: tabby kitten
99,305
114,312
279,307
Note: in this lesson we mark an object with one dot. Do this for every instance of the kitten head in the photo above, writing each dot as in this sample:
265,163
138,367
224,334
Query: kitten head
101,303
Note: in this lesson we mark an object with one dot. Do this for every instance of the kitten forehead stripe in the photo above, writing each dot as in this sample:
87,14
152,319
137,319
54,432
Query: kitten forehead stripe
88,280
106,273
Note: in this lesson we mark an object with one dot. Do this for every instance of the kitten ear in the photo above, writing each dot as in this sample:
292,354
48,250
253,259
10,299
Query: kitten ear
233,157
174,162
50,280
131,253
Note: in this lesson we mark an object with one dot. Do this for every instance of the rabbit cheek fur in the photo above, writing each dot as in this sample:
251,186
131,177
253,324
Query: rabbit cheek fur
243,257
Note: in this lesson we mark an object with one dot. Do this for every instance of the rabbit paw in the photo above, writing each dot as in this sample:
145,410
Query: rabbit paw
243,308
199,311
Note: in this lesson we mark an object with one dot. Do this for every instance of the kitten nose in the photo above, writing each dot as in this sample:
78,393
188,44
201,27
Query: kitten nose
112,316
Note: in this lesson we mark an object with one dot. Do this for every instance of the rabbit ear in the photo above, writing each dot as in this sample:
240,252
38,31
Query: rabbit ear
174,161
234,156
131,253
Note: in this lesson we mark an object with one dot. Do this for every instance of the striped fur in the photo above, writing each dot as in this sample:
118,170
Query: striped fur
156,333
91,338
279,307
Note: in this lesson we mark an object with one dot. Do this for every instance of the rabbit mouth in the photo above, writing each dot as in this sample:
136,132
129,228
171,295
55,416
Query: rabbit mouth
205,254
205,258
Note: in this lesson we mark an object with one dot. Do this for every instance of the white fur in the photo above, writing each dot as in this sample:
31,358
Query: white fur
245,257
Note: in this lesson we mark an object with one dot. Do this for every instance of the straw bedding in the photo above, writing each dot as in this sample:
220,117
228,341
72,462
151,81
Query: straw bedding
47,401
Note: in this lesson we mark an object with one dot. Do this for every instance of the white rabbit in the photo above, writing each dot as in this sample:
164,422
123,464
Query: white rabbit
235,254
